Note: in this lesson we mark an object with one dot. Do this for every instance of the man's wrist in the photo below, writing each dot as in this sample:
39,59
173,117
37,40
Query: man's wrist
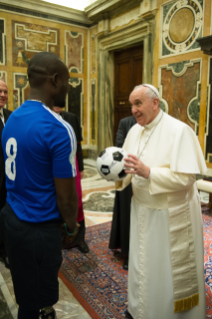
69,231
70,227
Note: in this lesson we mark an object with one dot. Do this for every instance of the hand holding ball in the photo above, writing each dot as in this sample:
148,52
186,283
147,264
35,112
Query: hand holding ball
110,163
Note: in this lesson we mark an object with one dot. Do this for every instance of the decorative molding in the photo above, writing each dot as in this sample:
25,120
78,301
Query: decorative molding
28,39
206,44
125,19
103,26
148,15
20,85
99,7
148,9
112,8
176,37
50,10
176,72
74,51
93,54
93,111
2,42
30,35
126,36
3,76
145,6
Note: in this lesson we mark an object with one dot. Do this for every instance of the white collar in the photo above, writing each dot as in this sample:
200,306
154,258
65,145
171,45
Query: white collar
1,111
155,121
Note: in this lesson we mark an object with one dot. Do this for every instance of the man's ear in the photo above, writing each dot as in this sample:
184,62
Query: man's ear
156,103
55,79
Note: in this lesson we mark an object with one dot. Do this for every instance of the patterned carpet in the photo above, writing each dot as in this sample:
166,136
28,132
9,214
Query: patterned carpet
98,281
207,224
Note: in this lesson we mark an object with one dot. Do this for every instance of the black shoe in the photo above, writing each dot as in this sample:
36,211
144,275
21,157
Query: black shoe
47,313
5,260
83,247
125,264
128,315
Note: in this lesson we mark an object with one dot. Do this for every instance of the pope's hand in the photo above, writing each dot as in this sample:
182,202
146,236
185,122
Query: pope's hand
135,166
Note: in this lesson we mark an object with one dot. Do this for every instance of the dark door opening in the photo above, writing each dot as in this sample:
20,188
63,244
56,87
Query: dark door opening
128,73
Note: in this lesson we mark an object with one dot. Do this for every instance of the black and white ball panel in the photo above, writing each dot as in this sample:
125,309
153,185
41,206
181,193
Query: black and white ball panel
110,163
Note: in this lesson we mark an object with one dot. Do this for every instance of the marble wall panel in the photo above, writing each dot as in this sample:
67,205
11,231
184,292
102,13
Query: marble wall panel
3,76
2,42
181,24
21,89
93,110
28,33
180,89
74,51
93,88
76,99
29,39
93,54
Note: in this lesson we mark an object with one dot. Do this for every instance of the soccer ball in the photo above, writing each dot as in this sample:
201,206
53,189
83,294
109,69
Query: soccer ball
110,163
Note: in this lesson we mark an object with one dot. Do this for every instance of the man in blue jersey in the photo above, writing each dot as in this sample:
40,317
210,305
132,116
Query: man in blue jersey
39,150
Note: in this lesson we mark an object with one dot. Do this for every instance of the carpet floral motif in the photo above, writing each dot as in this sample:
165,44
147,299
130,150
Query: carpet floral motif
100,279
98,276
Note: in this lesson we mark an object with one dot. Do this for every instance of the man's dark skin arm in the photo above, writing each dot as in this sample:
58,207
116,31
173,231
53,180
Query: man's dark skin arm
67,201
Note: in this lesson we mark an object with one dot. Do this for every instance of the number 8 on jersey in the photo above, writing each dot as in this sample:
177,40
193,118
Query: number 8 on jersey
10,161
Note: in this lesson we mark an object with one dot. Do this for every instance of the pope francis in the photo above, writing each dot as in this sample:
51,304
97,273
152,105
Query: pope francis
166,270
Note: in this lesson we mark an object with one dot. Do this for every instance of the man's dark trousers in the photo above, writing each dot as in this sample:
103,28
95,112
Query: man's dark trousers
3,192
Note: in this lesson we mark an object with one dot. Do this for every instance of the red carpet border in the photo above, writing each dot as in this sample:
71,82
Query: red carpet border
98,281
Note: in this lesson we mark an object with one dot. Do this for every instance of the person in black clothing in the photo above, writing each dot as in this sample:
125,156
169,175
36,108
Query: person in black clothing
4,115
119,236
71,118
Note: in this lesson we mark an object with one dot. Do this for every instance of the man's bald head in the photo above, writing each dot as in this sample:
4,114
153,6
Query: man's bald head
48,78
3,94
149,90
42,66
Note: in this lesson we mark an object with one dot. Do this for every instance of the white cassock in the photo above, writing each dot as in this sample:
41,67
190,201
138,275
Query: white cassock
166,259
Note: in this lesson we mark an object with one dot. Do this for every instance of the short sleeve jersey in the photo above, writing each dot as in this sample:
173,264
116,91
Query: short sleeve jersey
38,145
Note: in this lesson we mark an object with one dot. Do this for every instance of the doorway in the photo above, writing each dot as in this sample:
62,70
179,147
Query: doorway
128,65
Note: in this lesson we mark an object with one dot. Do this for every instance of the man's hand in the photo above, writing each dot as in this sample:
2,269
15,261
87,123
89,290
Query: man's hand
81,174
135,166
68,239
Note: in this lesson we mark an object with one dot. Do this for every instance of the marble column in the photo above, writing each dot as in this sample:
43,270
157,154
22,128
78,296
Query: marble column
105,99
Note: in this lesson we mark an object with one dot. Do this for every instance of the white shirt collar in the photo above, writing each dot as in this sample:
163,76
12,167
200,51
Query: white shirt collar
1,111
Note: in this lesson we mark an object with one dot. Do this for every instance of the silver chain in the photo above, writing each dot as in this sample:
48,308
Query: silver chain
139,154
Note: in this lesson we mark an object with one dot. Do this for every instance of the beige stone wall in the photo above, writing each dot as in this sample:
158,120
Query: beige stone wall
24,36
180,63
